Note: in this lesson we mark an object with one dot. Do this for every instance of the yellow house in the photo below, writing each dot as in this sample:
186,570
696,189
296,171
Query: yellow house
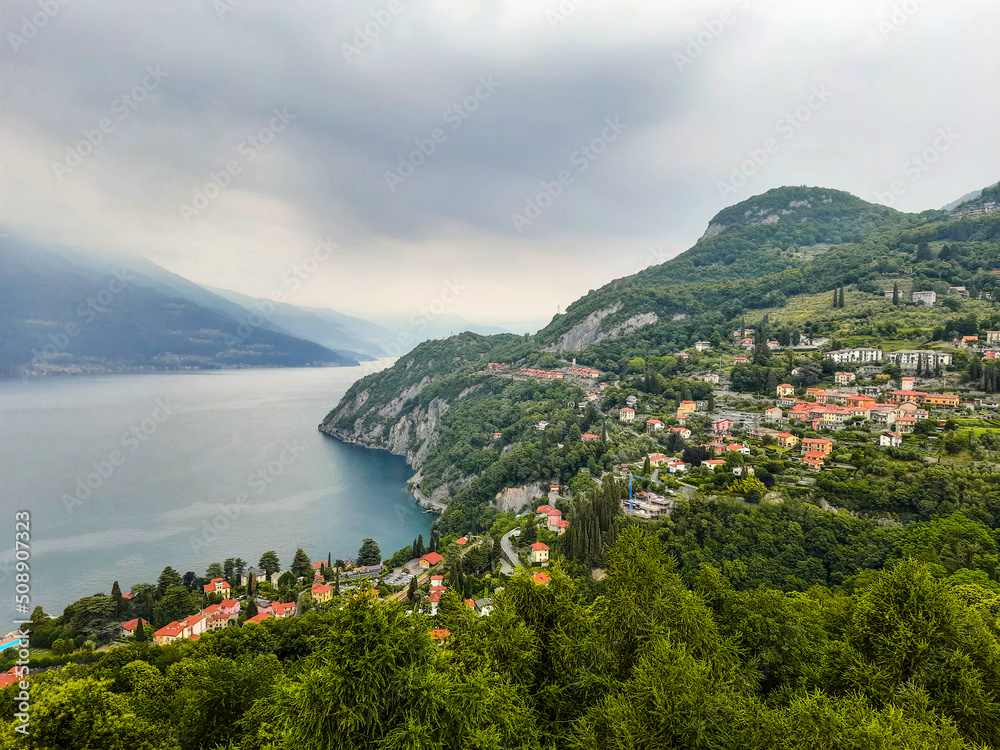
786,439
321,593
786,389
687,407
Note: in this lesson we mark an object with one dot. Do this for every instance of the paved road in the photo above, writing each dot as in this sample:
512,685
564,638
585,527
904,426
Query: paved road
508,560
427,502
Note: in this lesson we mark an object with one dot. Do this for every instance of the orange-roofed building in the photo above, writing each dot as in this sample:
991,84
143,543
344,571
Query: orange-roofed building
128,627
541,579
258,618
321,592
539,554
817,445
440,634
430,559
786,440
218,586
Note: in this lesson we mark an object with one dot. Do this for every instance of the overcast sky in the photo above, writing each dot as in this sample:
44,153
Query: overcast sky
634,115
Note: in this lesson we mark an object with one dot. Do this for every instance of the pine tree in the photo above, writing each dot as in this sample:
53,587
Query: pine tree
301,565
369,553
269,563
116,594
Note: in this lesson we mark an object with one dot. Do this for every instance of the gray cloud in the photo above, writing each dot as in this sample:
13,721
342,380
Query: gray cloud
697,86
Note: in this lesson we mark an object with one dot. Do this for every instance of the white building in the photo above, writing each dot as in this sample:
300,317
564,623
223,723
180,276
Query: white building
907,359
925,298
702,346
856,355
627,414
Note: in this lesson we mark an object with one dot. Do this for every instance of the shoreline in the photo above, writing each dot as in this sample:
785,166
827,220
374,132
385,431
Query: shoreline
418,495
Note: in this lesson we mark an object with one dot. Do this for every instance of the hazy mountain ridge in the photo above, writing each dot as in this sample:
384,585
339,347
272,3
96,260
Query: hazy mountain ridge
60,316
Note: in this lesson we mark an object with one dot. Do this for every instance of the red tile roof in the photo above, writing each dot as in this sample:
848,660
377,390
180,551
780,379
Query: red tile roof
440,634
259,618
433,558
130,624
10,677
541,578
171,629
539,546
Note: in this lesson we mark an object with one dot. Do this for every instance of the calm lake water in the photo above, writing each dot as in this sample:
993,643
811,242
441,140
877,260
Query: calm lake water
125,474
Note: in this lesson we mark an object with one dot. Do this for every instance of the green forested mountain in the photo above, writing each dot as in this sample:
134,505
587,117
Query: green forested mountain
776,255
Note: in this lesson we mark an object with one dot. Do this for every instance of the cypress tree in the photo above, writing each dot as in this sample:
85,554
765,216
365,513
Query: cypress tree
895,293
841,296
140,632
835,296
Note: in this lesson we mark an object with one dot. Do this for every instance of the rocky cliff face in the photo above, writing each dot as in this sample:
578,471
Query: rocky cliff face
411,435
589,331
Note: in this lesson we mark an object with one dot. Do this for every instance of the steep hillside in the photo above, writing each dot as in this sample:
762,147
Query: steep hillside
788,248
751,253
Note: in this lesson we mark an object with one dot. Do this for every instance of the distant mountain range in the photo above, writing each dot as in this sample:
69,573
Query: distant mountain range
63,311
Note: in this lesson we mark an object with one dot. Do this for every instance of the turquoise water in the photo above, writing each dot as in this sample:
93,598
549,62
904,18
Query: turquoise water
126,474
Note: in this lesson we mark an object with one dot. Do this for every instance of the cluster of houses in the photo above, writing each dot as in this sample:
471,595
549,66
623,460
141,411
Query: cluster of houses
671,464
542,374
211,618
832,409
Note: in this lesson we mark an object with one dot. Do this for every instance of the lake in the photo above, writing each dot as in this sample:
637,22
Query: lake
126,474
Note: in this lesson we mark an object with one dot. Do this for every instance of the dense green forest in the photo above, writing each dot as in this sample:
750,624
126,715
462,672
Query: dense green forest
646,657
